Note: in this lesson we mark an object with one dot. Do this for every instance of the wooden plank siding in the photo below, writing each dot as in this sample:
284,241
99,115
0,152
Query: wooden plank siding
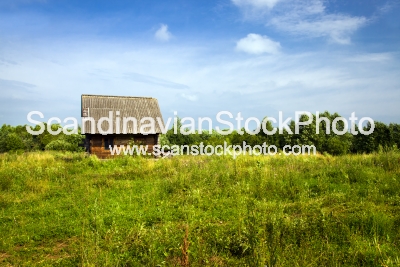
96,142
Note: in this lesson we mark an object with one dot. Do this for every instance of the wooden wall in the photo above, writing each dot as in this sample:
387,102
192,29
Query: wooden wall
95,142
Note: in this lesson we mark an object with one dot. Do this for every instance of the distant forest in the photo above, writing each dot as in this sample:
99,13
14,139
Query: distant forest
384,138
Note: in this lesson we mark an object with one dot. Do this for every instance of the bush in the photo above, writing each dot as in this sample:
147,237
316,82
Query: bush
62,145
13,142
163,140
337,146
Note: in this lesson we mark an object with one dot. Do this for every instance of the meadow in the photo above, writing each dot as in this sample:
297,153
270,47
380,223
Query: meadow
69,209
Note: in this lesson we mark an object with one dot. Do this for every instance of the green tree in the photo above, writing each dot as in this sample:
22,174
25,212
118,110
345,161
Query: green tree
13,142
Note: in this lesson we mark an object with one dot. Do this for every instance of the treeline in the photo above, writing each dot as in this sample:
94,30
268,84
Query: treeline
383,138
19,139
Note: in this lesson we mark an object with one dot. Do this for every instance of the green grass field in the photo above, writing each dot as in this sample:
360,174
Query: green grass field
71,210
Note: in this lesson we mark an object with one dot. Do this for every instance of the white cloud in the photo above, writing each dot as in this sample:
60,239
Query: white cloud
189,97
162,34
338,28
388,6
371,58
338,81
256,3
257,44
307,18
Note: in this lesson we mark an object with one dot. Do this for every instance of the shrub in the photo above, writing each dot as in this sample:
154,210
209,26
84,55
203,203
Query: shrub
13,142
62,145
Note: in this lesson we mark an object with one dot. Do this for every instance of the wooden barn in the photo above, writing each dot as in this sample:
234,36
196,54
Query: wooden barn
128,118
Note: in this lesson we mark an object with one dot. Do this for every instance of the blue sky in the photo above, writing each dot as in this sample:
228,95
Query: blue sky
257,57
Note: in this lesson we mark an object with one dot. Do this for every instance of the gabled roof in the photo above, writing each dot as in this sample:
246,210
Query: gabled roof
98,106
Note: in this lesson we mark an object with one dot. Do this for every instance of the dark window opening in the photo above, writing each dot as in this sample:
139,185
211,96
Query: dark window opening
108,142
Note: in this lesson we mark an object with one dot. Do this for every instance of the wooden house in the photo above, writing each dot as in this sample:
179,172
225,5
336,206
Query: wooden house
130,118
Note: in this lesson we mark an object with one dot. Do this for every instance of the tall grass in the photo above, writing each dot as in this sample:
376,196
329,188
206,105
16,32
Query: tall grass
75,210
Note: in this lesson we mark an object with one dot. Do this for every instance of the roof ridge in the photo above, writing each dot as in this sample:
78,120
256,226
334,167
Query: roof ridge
148,97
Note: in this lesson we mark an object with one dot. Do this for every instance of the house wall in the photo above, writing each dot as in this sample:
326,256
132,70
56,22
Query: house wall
95,145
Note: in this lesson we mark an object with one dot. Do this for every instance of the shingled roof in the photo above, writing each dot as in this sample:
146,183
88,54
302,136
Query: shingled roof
98,106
